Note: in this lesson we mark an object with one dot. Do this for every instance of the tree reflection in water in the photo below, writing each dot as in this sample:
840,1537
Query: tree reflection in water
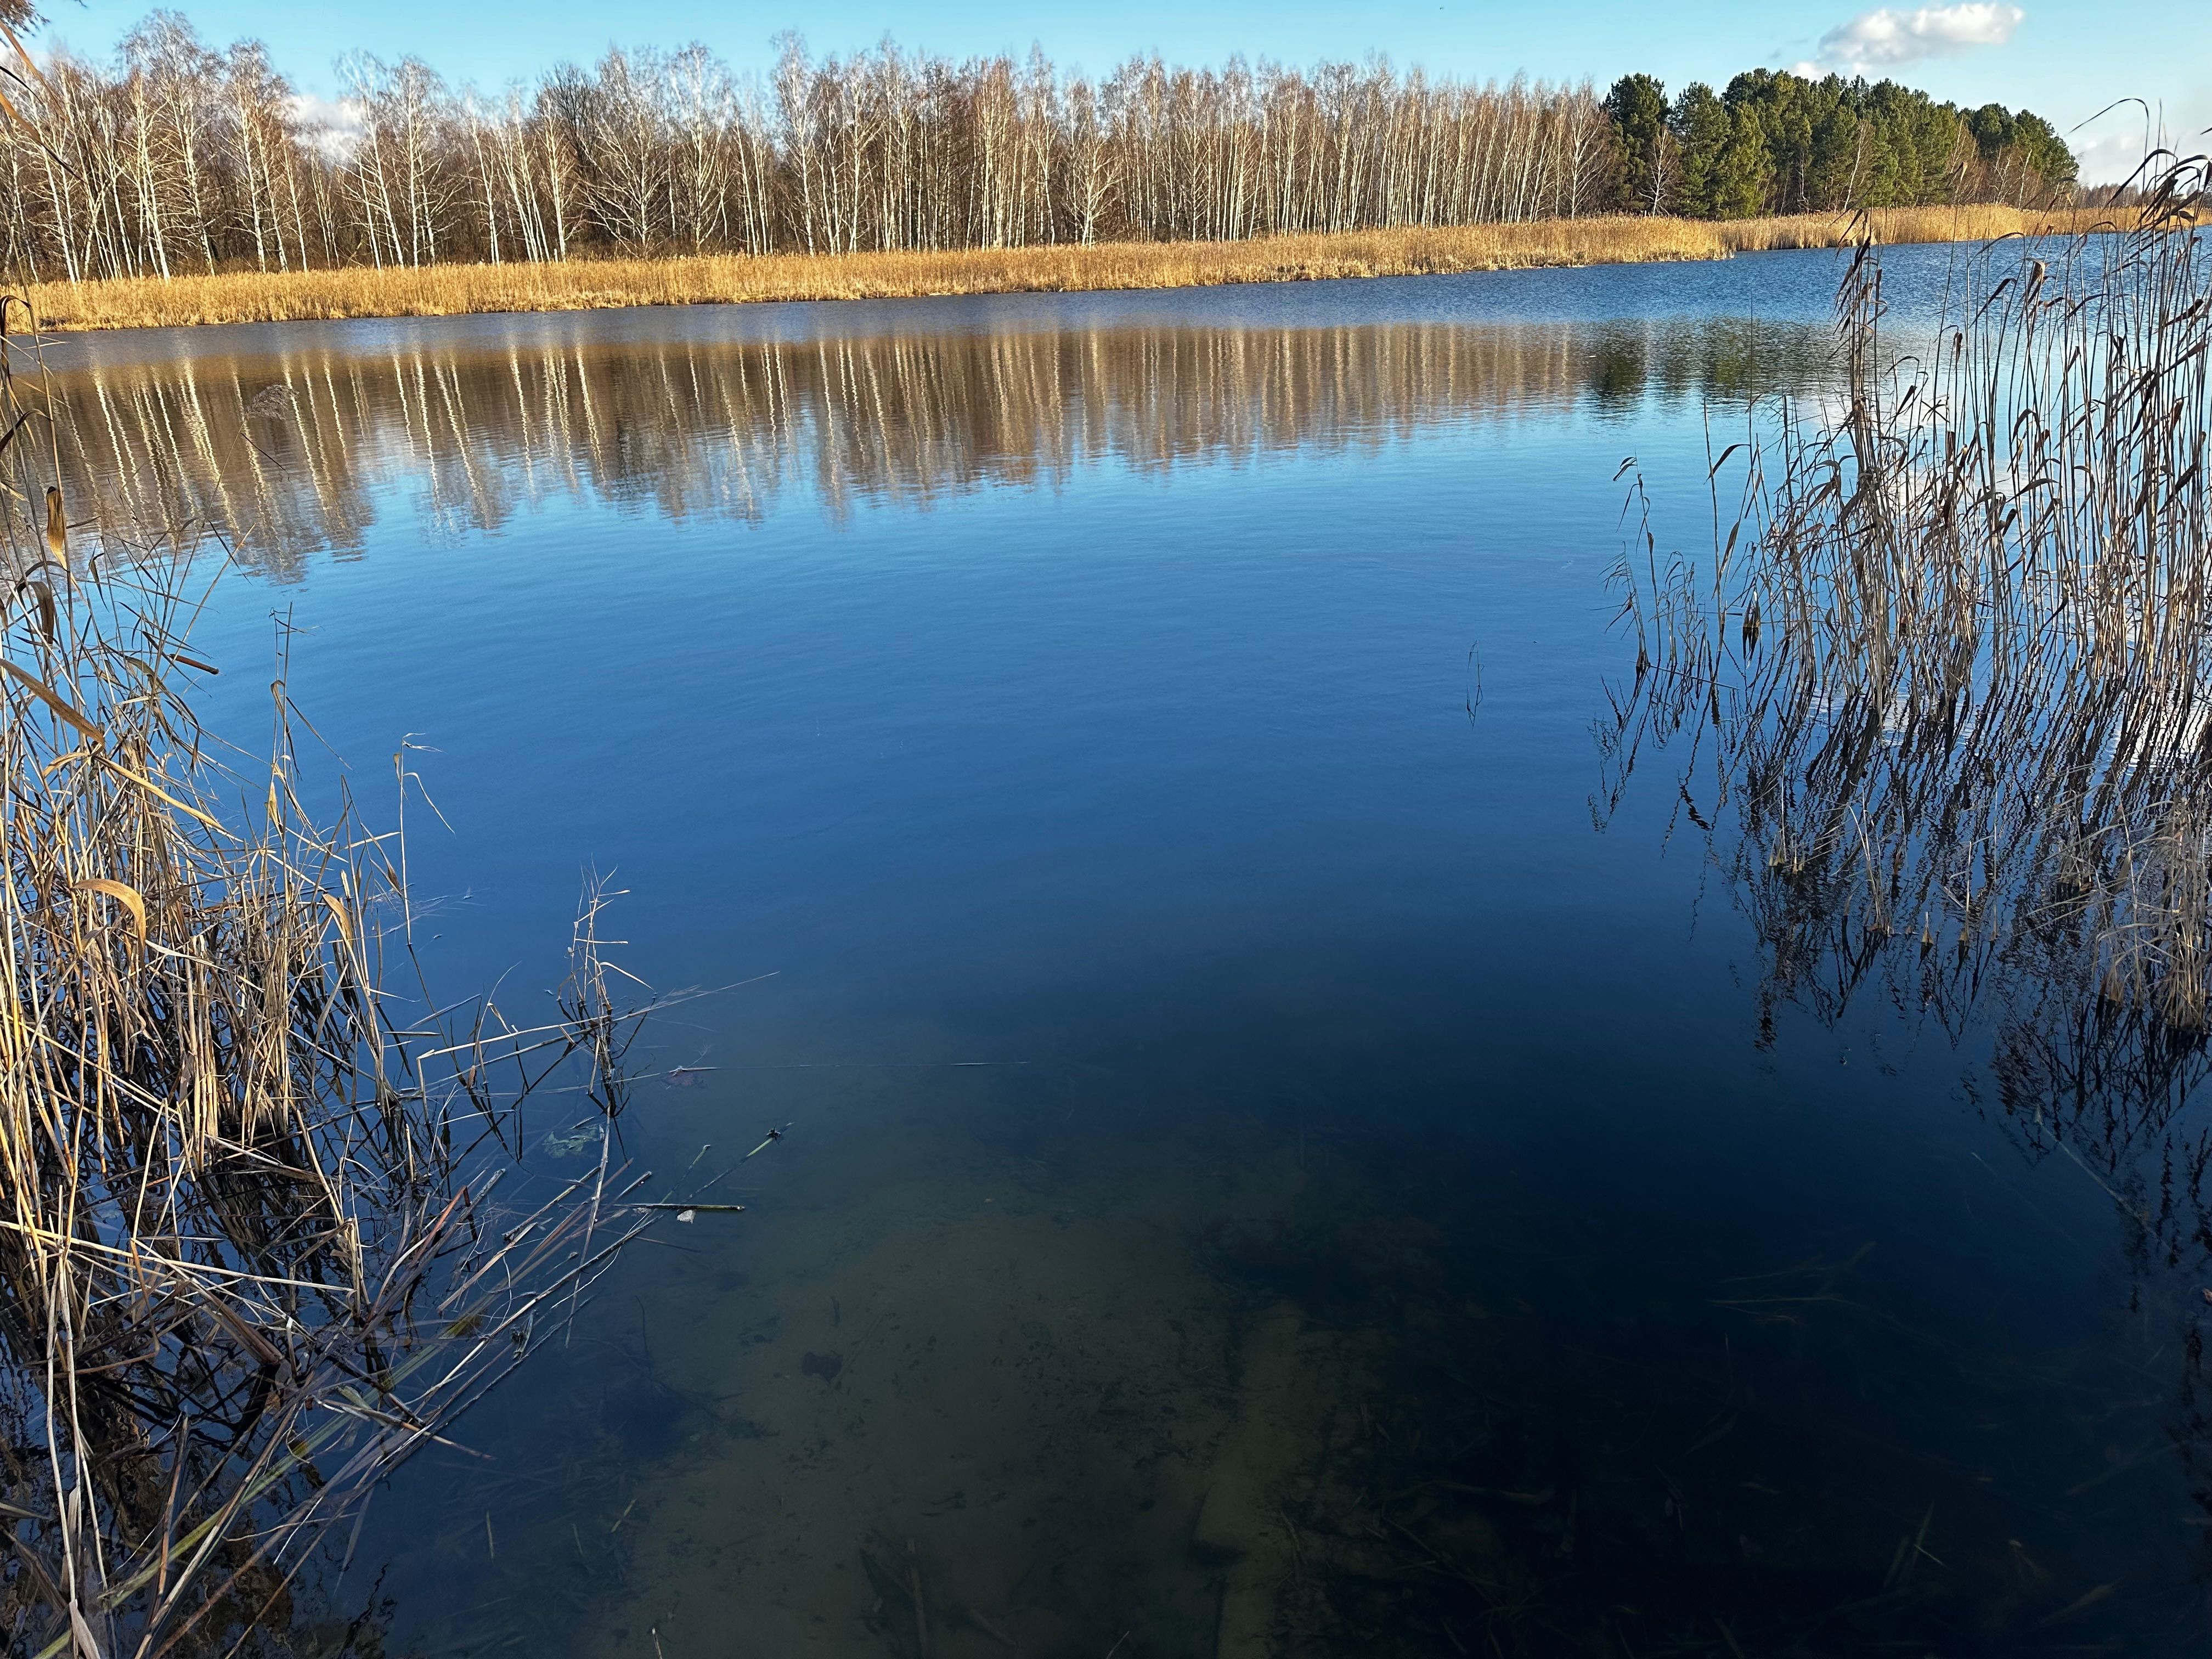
287,451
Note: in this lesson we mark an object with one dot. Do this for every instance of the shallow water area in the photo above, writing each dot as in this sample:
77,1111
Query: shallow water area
1278,1160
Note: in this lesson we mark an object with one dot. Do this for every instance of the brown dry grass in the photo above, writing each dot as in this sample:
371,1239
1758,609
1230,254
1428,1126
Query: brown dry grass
247,1262
585,285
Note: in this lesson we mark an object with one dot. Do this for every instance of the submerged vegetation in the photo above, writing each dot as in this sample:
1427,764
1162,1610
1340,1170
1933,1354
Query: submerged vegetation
1940,700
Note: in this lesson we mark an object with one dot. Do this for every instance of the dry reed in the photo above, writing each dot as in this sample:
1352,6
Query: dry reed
1947,674
248,1256
583,285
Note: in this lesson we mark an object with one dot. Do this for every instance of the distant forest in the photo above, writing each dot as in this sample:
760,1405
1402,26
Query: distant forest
1776,143
178,158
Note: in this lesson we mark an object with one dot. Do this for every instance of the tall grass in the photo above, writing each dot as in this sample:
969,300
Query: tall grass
456,289
1940,694
249,1258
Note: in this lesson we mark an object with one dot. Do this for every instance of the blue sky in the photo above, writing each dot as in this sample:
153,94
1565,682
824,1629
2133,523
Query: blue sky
2064,58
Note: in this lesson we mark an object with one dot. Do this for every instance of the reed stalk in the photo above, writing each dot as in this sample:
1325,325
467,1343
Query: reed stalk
251,1257
1940,694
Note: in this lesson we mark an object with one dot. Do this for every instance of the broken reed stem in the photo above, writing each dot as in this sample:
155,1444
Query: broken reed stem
247,1258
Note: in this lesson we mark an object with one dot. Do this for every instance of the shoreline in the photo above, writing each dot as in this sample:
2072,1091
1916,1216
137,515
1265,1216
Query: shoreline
331,295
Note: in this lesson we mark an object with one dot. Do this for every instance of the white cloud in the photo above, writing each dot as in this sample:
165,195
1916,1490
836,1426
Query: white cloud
1887,39
333,128
2112,145
2109,153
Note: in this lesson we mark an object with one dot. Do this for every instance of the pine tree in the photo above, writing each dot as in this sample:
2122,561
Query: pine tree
1702,128
1636,107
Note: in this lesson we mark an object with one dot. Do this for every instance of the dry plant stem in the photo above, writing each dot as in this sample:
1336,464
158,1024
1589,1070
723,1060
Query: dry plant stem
1945,676
585,285
249,1260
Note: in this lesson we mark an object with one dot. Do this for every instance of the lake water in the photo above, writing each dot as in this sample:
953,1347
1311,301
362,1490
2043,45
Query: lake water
1278,1162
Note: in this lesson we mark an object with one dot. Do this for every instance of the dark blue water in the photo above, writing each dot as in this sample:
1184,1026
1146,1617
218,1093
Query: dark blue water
1277,1164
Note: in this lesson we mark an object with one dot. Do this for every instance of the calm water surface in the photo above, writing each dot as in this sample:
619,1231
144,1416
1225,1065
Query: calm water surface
1279,1164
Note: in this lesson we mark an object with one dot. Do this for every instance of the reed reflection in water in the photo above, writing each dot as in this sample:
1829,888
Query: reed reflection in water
1938,704
289,451
1309,1179
1947,677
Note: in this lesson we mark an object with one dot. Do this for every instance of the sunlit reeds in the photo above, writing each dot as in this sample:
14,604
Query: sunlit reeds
249,1255
1942,693
582,285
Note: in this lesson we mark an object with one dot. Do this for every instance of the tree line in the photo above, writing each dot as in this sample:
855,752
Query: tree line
1778,142
178,158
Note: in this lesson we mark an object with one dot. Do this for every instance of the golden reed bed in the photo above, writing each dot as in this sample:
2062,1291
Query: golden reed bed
590,285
